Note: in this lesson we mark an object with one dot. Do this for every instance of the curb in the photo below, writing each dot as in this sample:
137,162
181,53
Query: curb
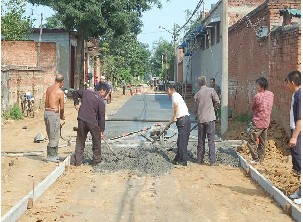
287,204
19,209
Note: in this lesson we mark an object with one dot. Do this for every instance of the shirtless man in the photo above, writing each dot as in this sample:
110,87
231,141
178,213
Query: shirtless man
54,111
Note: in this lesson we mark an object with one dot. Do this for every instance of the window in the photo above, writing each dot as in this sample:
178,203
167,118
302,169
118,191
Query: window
213,35
207,40
203,42
218,33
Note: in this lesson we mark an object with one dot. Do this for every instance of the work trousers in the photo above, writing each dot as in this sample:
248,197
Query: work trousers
296,154
83,129
123,90
206,129
183,137
257,150
52,125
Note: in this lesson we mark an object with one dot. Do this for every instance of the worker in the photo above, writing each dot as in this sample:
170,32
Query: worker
103,82
205,100
181,117
91,118
54,111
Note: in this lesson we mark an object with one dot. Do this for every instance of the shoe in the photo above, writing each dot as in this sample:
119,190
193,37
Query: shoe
201,163
294,196
296,172
54,159
254,162
297,201
214,164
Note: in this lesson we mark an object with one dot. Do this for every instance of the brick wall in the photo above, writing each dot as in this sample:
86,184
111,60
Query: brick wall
285,56
273,57
22,53
21,60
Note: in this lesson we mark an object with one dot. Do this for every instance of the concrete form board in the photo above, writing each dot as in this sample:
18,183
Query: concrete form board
275,193
18,210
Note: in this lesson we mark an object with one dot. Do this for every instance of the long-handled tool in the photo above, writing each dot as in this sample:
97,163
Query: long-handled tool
161,133
108,146
194,127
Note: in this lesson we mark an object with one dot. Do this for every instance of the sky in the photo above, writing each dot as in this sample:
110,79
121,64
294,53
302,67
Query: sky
171,12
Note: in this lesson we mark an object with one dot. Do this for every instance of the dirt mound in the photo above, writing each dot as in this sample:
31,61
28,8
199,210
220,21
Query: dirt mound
277,161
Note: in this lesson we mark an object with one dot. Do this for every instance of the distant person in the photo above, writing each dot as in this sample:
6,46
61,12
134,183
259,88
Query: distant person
123,86
294,85
181,117
218,91
215,86
54,111
262,107
91,118
205,99
102,82
96,81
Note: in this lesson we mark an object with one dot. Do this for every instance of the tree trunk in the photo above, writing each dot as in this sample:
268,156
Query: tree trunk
79,69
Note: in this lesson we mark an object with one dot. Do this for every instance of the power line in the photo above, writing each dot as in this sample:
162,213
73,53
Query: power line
194,12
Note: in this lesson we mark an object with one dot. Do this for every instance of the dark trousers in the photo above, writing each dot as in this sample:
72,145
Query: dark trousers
83,129
123,90
296,154
183,137
206,129
257,150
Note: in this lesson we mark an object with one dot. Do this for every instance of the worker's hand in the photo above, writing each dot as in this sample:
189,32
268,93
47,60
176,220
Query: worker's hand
77,107
62,117
173,119
292,142
102,135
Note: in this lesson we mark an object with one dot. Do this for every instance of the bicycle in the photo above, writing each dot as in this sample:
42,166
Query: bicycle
28,105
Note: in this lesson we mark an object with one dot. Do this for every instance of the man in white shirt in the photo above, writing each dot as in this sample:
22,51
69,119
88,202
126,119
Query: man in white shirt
181,117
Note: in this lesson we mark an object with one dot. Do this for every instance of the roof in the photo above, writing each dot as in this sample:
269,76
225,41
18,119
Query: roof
291,11
52,30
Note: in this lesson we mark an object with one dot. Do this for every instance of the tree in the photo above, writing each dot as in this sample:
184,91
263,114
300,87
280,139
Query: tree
162,60
14,25
124,57
93,18
53,22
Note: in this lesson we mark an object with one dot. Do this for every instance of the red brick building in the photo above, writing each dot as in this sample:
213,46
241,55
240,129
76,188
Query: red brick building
261,44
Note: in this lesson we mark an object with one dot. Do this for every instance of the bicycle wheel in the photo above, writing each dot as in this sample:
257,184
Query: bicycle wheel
31,108
24,108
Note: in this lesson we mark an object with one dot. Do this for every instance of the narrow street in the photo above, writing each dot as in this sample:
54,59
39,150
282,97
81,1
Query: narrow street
193,193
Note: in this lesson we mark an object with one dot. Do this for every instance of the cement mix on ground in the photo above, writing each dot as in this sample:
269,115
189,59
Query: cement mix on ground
152,159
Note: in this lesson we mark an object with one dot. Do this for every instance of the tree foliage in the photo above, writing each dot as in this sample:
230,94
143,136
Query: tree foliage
14,25
53,22
93,17
162,60
124,57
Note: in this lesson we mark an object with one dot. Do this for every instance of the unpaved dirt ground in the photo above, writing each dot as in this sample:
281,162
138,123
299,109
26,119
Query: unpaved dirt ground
195,193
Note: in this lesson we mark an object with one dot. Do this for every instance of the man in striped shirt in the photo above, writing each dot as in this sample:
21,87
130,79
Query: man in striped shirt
262,107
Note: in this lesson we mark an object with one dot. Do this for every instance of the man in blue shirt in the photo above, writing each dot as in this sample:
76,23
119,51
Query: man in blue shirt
91,118
294,85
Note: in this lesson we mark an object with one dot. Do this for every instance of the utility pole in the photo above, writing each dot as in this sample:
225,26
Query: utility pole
39,43
176,53
224,94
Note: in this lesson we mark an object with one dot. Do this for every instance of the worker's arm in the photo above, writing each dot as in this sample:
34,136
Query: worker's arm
174,118
77,94
61,102
294,137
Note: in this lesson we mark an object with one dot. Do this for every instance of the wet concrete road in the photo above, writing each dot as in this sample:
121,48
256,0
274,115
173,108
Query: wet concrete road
139,112
147,108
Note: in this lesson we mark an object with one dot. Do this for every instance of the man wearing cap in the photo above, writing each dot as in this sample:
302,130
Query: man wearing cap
102,82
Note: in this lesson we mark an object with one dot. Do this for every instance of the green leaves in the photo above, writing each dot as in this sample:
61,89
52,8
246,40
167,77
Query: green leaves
14,25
